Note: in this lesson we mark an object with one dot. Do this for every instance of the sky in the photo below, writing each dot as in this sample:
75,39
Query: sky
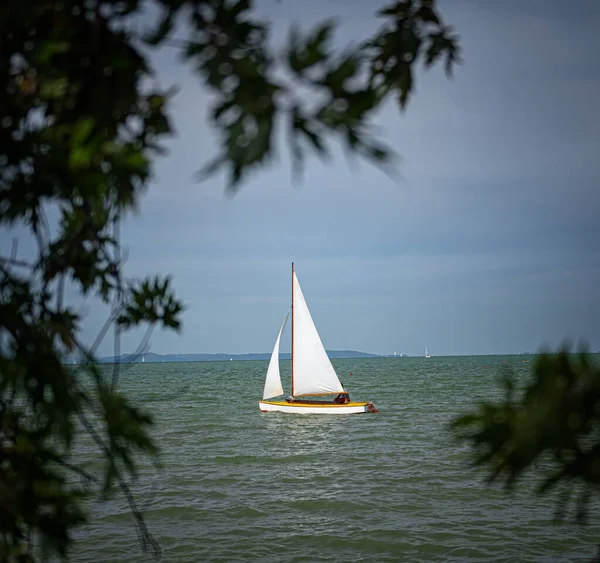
488,242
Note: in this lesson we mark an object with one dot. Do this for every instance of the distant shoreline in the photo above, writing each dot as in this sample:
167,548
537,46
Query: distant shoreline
152,358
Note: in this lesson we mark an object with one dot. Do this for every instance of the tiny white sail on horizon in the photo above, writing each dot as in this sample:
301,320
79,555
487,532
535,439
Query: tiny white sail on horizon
313,372
273,387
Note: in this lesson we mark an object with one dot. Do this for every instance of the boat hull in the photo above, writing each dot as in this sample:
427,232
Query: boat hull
299,407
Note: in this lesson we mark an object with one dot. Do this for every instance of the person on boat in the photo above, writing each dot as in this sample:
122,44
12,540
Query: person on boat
342,399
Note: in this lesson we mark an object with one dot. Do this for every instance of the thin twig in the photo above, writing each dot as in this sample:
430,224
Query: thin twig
13,250
117,302
14,262
146,538
143,347
37,231
88,477
111,318
60,293
117,357
44,222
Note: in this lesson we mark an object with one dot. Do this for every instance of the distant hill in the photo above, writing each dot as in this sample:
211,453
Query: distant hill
150,357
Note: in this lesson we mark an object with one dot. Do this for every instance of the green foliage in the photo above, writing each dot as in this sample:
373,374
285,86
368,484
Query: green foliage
80,127
151,301
554,425
230,49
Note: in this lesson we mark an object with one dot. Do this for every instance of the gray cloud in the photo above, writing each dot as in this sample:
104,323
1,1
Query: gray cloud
487,244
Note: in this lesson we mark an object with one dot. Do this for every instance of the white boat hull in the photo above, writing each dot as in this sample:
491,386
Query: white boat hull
307,408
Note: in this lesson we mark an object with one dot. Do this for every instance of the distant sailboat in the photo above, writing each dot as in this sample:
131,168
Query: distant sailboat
312,372
426,353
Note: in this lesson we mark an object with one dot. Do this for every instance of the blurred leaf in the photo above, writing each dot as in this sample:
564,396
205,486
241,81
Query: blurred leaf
48,49
54,89
301,126
556,418
152,301
164,26
314,48
337,77
83,123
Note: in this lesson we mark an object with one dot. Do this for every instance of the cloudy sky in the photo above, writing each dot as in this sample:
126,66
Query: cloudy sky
489,243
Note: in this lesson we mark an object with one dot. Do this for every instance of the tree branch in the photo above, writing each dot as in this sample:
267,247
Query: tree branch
144,535
14,262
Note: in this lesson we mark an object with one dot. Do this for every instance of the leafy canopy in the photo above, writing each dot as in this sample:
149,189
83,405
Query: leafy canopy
81,123
552,430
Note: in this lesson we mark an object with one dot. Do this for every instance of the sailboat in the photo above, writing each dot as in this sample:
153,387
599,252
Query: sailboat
313,375
427,353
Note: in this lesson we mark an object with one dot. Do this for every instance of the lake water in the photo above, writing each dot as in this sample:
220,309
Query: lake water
240,485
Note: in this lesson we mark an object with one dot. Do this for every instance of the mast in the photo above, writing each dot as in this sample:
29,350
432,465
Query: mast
292,329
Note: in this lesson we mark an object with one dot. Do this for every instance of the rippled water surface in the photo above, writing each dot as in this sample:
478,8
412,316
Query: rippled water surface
236,484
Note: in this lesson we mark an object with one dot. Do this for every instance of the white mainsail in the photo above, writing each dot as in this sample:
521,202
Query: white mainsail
312,369
273,386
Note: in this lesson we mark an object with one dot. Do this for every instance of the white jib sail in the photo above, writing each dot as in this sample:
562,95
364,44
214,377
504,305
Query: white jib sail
273,386
313,372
